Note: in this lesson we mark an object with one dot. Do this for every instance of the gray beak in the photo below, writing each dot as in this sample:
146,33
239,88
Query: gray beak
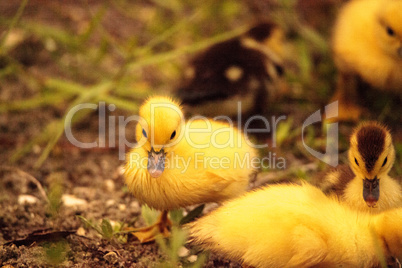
156,163
371,191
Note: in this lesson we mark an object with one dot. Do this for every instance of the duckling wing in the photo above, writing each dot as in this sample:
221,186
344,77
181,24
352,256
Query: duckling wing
223,184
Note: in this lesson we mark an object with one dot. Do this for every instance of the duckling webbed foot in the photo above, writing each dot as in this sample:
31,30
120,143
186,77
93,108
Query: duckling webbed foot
149,233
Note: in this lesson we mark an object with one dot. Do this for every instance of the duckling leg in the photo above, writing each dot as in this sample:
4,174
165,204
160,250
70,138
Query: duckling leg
346,95
149,233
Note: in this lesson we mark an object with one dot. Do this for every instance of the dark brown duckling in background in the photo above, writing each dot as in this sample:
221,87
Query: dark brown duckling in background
247,68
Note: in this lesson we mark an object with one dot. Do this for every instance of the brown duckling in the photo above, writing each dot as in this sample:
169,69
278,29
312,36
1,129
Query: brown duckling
246,69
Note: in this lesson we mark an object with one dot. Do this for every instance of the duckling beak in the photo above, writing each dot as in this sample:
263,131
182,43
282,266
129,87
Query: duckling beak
156,163
371,191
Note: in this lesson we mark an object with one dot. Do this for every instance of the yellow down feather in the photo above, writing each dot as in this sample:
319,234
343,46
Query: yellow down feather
208,165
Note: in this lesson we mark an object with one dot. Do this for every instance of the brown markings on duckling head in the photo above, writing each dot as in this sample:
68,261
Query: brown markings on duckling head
370,143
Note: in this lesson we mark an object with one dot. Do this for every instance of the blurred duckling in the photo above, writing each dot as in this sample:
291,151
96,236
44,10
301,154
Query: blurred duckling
298,226
247,69
367,47
177,164
365,185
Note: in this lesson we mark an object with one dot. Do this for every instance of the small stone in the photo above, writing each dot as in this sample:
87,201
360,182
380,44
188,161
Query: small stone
183,252
192,258
111,257
36,149
110,203
121,170
135,206
13,38
27,199
72,201
109,185
118,173
50,44
81,231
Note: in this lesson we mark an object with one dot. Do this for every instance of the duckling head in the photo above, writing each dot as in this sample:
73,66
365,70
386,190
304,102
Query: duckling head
371,156
159,130
389,28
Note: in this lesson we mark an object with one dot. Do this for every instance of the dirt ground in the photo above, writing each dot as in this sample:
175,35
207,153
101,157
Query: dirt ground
40,206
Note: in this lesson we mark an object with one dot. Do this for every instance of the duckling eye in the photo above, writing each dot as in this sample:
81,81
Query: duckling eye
144,133
385,161
357,163
390,31
173,134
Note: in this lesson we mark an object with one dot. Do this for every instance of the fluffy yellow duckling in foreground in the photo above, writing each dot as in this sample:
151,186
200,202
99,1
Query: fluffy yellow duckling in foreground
177,163
366,185
298,226
367,44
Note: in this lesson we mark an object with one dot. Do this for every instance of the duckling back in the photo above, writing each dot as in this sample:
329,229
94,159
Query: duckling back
288,226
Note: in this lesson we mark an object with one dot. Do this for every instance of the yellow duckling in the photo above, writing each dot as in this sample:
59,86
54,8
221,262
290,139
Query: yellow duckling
365,185
367,44
177,164
298,226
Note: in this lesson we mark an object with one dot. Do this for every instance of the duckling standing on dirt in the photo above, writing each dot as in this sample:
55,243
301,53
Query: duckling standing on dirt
247,69
367,45
177,164
298,226
365,185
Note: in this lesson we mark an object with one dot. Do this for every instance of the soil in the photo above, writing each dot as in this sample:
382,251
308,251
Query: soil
39,226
